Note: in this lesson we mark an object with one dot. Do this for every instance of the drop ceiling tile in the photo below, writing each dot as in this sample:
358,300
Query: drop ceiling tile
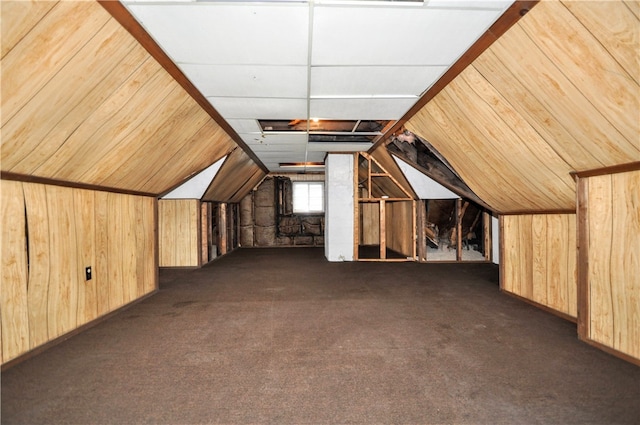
248,80
373,80
244,125
403,36
259,108
364,108
228,33
500,5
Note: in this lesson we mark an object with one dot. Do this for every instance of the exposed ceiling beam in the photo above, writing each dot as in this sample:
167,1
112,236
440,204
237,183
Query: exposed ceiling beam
122,15
512,15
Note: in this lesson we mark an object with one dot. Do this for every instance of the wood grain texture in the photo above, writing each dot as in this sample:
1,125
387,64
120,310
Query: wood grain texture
68,230
613,268
230,181
108,113
540,103
539,259
14,302
179,226
400,227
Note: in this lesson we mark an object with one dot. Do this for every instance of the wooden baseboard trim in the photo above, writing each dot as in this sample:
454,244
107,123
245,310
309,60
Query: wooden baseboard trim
47,345
548,309
611,351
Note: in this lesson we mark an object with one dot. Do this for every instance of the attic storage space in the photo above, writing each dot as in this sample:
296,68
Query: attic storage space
385,211
455,230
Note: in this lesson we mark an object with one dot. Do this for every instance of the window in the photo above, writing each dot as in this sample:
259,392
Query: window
308,197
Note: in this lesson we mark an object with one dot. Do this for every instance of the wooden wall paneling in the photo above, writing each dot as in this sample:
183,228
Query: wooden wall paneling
222,228
102,259
109,122
233,174
35,202
600,240
370,219
44,294
613,93
14,311
150,218
625,261
437,124
205,232
400,227
539,263
486,231
555,87
524,144
56,38
63,283
539,260
509,152
18,18
615,27
140,126
129,249
510,253
181,120
85,208
114,250
249,184
66,100
531,103
207,145
610,279
168,229
421,225
634,7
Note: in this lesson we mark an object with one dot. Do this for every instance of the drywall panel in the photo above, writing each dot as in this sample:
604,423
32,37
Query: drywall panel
422,185
59,232
195,187
339,207
539,259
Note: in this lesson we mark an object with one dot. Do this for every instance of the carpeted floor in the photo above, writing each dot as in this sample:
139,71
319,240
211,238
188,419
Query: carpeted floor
280,336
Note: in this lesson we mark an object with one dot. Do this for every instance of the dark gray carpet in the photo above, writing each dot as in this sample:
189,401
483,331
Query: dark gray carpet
280,336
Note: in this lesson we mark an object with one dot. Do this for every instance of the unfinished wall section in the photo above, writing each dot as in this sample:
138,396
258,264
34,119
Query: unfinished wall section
609,263
50,235
267,218
538,260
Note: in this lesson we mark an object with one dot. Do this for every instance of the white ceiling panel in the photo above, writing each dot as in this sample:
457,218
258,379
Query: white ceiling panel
228,33
373,80
248,80
402,36
259,108
244,125
499,5
363,108
368,60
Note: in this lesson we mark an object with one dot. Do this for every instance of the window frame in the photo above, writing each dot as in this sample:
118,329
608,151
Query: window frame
307,183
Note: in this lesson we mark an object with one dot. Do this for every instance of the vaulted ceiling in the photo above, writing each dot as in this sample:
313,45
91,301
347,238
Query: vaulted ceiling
87,101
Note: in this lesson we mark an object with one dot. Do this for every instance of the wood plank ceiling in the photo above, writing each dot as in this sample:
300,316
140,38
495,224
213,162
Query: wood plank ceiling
94,108
557,93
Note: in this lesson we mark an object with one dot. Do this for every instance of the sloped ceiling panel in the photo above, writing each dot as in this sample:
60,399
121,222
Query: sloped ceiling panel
94,107
390,166
557,93
231,182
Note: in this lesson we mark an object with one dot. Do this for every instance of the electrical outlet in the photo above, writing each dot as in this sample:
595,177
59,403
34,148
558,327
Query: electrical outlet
87,273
